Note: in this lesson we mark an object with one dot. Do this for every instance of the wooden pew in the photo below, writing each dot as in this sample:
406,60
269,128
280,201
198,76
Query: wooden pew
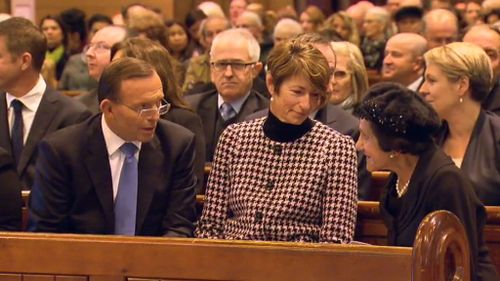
30,256
371,229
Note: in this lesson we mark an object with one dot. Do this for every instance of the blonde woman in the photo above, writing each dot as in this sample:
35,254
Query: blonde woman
457,78
312,19
350,80
345,26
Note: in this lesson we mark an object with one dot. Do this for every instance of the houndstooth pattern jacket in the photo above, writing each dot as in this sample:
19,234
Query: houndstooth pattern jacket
260,189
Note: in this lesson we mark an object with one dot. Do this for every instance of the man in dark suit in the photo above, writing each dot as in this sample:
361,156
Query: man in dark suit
10,194
234,64
124,171
29,109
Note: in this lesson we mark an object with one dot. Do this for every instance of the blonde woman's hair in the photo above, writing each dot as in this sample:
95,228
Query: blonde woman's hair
349,23
462,59
356,64
296,57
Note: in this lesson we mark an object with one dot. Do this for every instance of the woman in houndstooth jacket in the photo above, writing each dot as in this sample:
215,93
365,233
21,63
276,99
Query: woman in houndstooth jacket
284,177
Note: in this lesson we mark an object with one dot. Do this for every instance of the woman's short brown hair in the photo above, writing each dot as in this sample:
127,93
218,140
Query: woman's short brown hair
297,57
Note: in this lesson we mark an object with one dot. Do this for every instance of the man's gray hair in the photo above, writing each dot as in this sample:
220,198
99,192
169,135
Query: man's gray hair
234,34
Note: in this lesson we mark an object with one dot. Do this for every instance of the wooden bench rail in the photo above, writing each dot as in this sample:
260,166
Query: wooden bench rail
450,247
95,258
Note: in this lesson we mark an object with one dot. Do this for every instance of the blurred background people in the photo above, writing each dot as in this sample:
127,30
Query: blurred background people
375,26
440,27
345,26
57,54
404,61
312,19
350,79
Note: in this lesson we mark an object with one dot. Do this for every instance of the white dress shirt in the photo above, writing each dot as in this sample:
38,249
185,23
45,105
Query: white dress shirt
31,101
116,157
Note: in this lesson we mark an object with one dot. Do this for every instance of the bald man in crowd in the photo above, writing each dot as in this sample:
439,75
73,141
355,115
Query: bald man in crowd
98,57
440,27
286,29
489,41
403,61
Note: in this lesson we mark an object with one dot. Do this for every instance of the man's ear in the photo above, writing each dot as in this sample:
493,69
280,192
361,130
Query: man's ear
419,64
256,69
106,107
26,60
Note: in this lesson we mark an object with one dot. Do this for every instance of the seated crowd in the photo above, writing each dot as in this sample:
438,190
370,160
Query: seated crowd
276,102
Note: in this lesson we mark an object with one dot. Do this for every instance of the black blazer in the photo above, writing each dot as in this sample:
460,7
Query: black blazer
437,184
192,121
55,112
205,104
73,187
481,163
10,194
492,101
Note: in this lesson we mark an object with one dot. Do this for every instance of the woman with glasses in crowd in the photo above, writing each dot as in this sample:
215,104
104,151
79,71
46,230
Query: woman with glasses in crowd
458,77
350,77
180,113
396,133
284,177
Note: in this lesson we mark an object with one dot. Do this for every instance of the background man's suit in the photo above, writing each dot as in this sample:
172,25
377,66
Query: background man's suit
205,104
55,112
73,187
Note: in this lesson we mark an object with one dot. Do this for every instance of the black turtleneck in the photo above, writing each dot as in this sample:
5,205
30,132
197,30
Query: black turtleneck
284,132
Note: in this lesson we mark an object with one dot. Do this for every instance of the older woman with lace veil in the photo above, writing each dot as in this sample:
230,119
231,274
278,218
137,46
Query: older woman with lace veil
284,177
396,134
458,77
350,79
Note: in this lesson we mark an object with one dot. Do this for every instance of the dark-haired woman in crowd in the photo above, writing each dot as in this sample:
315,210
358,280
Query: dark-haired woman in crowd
396,134
284,177
57,40
155,54
458,77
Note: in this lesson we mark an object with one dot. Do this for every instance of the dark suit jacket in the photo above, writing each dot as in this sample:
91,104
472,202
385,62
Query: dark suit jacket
437,184
205,104
192,121
492,101
345,123
10,194
55,112
90,101
73,187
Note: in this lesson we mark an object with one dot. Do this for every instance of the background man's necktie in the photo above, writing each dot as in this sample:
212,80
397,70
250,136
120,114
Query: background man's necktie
227,111
17,134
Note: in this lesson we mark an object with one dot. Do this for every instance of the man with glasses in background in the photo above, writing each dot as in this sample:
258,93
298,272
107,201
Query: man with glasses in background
124,171
98,55
234,64
29,108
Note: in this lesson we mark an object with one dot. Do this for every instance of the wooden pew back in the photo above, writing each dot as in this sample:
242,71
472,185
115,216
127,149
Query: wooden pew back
31,256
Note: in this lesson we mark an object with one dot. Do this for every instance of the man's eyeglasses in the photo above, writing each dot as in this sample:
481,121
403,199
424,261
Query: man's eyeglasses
99,47
235,66
147,112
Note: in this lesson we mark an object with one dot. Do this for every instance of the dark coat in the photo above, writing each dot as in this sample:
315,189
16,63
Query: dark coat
10,194
73,187
55,112
437,184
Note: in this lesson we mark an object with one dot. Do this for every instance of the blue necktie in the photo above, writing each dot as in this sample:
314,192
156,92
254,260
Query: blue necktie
126,198
227,111
17,134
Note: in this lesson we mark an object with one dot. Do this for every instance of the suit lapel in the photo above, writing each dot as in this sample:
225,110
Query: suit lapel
44,115
249,106
326,116
97,164
151,158
4,124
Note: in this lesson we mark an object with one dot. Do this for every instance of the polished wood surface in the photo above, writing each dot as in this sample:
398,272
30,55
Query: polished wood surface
32,256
